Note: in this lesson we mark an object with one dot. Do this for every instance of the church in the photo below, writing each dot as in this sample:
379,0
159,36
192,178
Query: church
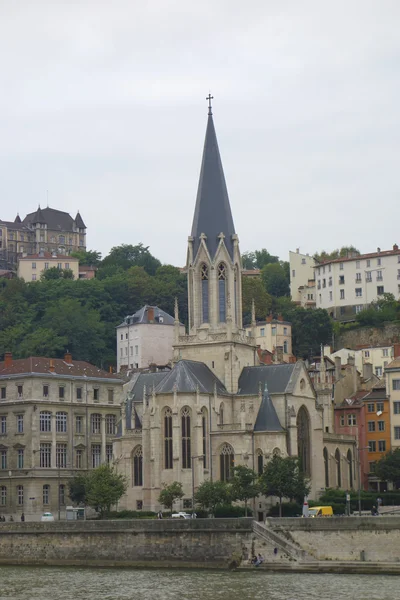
218,406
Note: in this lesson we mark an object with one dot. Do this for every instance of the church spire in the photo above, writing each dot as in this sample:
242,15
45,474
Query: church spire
212,215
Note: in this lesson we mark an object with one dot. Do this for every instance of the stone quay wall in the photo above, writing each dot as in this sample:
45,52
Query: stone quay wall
365,539
211,543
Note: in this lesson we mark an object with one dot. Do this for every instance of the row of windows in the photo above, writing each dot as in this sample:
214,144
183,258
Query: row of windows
358,293
19,421
79,392
122,351
19,492
61,418
376,426
45,453
381,446
4,459
358,265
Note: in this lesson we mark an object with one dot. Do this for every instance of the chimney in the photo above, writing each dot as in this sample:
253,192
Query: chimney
68,358
153,368
110,369
367,371
396,350
150,314
378,249
269,318
280,318
8,359
51,367
338,365
350,360
395,247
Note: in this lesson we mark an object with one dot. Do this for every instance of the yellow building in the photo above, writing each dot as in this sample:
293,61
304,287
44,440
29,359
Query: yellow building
31,267
274,335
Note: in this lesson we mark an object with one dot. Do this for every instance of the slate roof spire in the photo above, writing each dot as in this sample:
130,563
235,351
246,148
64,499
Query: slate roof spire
79,221
212,214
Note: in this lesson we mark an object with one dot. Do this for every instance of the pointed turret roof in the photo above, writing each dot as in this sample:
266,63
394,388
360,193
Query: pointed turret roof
267,419
38,217
79,221
212,214
17,219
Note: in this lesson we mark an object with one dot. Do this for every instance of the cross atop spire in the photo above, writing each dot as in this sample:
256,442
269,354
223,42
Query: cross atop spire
209,98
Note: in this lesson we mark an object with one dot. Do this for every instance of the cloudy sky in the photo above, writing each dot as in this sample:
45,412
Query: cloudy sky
102,103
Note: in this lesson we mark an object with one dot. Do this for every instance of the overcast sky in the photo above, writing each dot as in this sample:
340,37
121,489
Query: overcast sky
102,103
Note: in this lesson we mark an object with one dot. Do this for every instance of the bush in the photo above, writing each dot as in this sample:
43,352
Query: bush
131,514
229,511
289,509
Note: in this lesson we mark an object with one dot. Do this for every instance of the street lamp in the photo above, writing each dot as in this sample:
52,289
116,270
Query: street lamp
359,478
192,458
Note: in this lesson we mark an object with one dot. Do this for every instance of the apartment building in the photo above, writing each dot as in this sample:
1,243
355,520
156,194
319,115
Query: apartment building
31,267
302,284
378,357
377,437
58,418
346,286
392,373
146,338
275,336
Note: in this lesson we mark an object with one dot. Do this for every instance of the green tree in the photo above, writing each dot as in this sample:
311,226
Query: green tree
344,252
249,261
282,478
244,485
275,280
56,273
170,493
258,259
88,257
386,308
77,487
104,487
210,494
126,256
253,288
388,467
310,329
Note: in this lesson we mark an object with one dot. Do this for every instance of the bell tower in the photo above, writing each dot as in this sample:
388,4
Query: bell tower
214,271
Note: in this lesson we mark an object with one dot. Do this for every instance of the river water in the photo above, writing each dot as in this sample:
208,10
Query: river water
54,583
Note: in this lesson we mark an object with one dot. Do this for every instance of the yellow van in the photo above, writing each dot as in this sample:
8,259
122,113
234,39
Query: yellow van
320,511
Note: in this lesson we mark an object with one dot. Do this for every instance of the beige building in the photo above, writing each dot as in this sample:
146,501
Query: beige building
31,267
45,230
302,284
274,335
218,407
392,373
346,286
58,418
377,357
145,338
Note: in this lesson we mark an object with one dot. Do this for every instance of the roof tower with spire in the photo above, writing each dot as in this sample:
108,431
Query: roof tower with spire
212,214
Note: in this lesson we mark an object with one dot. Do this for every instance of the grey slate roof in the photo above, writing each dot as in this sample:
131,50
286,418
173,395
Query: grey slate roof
135,395
212,214
267,419
141,316
55,219
17,219
188,376
277,377
79,221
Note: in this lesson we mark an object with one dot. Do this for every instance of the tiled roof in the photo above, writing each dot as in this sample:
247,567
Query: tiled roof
395,364
56,220
12,225
380,254
47,255
142,316
38,365
276,377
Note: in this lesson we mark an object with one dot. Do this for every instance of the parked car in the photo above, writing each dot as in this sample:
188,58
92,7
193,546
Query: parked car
47,516
181,515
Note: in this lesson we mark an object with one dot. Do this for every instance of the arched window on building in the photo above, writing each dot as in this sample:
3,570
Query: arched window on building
326,467
168,439
137,455
185,431
221,413
222,277
227,462
350,461
204,293
303,440
338,469
204,433
260,462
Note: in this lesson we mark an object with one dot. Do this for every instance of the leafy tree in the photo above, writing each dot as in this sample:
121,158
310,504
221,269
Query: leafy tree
104,487
55,273
275,279
210,494
244,485
384,309
126,256
282,478
88,257
77,488
170,493
310,329
258,259
253,288
42,342
388,467
344,252
249,261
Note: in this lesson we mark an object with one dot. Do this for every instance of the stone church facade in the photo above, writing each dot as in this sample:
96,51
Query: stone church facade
218,407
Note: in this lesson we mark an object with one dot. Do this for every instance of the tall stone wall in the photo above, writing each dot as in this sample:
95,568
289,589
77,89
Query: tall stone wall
388,334
216,543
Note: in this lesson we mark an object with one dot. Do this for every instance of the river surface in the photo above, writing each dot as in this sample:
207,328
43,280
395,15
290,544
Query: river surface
54,583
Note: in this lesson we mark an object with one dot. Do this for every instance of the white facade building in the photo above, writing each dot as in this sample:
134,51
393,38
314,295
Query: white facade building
145,338
378,357
346,286
302,278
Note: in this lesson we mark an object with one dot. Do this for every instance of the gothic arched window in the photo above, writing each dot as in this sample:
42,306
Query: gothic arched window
168,439
303,440
227,462
222,277
350,461
204,293
186,453
326,467
260,462
204,430
338,469
138,466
